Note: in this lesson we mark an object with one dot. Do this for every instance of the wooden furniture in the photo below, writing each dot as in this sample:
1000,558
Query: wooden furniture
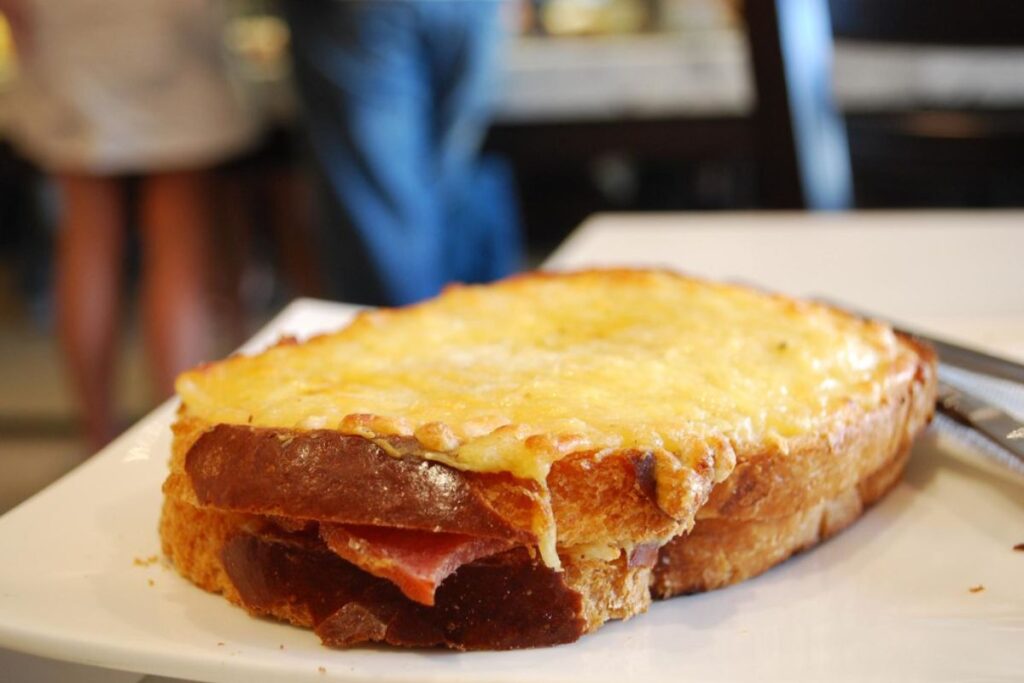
925,155
801,146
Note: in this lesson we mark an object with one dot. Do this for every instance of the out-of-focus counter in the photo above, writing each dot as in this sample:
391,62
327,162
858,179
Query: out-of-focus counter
706,73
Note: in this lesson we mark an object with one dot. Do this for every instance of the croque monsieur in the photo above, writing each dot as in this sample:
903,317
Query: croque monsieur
513,465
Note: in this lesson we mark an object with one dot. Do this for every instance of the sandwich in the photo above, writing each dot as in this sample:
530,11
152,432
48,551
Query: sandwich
513,465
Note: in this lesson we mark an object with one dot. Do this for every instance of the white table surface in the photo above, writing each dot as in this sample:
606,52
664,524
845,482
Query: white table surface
955,273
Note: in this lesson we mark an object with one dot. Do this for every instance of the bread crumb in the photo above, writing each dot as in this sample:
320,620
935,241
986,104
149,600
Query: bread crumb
151,582
1019,547
145,562
321,669
976,589
220,644
281,646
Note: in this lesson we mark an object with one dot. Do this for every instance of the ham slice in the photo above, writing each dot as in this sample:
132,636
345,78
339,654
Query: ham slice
415,561
509,600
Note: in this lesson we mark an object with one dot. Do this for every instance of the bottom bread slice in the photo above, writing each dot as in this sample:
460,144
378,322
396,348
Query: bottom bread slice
510,600
723,551
507,601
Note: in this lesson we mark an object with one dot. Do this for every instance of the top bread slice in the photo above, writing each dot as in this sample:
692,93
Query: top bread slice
584,414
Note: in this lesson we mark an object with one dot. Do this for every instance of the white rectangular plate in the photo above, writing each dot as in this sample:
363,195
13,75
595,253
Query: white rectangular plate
888,599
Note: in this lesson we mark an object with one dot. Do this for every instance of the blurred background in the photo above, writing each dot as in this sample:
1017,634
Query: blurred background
163,194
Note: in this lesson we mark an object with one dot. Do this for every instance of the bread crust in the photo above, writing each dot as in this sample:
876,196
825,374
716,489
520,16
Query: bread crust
330,477
776,480
603,498
775,505
720,552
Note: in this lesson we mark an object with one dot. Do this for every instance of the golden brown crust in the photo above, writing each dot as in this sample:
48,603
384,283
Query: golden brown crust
330,477
191,538
606,499
771,482
597,498
721,551
802,498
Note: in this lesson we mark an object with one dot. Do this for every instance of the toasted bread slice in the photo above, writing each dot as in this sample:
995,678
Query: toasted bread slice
581,420
722,551
776,505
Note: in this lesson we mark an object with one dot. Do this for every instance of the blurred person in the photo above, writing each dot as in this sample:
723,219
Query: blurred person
111,90
395,96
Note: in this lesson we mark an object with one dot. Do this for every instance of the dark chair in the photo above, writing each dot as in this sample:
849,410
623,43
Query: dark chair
907,157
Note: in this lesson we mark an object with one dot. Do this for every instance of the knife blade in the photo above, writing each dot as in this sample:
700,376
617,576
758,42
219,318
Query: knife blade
988,420
967,358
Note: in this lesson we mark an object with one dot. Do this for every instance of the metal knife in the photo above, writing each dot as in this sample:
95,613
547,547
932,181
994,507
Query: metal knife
972,359
988,420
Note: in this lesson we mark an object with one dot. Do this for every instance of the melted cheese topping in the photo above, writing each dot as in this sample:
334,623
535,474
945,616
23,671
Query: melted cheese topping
599,359
512,376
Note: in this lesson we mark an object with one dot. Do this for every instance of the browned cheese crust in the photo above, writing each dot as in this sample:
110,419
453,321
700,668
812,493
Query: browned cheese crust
775,505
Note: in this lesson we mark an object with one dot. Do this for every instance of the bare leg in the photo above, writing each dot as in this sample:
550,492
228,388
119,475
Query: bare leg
175,235
229,249
291,223
89,257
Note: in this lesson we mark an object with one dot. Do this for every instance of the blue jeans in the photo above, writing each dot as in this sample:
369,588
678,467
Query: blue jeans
395,95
